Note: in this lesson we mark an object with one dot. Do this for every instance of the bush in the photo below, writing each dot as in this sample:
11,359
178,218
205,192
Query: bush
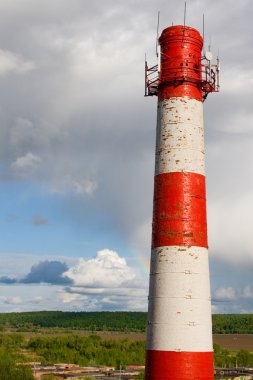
9,370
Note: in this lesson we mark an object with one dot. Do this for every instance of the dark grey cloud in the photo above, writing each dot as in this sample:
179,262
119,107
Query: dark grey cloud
7,280
44,272
47,272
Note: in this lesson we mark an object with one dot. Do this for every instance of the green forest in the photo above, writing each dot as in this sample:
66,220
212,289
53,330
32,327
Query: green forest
112,321
46,345
86,351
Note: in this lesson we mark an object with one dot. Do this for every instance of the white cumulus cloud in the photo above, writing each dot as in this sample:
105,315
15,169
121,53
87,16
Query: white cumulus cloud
107,269
105,282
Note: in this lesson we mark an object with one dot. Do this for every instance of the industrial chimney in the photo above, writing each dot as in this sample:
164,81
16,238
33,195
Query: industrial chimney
179,333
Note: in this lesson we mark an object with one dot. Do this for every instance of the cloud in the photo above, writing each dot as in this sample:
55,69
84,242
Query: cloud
141,241
73,185
10,300
248,292
105,282
47,272
50,272
231,299
226,237
7,280
70,298
84,186
75,125
91,282
105,299
33,297
107,270
225,294
14,301
37,300
26,165
14,63
39,220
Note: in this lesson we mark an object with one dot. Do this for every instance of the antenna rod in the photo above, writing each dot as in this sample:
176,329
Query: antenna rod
145,94
157,33
184,12
204,33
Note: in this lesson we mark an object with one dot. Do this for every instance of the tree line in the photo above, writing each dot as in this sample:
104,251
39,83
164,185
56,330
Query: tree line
87,351
112,321
224,358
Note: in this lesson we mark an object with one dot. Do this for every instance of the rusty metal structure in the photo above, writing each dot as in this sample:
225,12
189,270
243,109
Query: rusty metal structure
179,333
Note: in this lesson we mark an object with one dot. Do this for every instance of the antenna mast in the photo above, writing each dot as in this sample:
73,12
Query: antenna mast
184,12
157,33
203,33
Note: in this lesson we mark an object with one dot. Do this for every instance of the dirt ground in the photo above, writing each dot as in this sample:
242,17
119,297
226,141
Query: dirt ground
234,342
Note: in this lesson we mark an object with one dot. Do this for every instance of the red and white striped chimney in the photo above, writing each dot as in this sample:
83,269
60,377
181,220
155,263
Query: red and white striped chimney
179,336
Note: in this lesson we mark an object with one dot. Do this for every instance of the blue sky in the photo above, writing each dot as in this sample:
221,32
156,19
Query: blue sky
77,152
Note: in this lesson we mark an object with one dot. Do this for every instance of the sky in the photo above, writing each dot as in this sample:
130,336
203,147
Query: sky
77,143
